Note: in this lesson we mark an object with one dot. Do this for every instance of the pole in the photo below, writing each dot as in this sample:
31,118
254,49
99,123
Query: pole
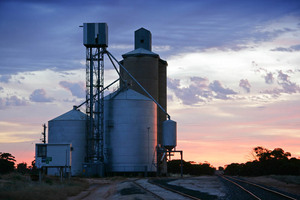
181,164
97,115
148,148
44,125
91,131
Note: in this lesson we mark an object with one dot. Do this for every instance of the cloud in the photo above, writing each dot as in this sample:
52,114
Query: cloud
269,79
244,83
5,78
170,97
39,95
189,95
282,76
226,26
287,86
77,89
289,49
199,90
12,101
221,92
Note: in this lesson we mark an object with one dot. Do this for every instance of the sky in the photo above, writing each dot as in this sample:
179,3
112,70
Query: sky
233,69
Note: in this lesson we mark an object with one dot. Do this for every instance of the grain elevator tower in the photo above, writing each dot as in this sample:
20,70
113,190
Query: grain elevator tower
126,131
149,70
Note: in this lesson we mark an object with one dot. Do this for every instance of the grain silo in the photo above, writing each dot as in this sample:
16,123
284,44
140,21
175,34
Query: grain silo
130,132
149,70
69,128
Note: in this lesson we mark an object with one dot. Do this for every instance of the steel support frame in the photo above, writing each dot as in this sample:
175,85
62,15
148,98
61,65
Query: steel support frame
95,105
166,151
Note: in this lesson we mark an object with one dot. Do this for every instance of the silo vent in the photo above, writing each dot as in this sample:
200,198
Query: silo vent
143,39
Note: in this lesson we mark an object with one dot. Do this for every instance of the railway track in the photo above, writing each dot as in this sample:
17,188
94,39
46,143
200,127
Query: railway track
257,191
163,192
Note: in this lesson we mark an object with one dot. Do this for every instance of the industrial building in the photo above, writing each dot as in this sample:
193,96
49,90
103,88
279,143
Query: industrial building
127,131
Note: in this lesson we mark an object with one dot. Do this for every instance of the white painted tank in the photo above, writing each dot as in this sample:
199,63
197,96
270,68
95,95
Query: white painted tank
69,128
130,132
169,131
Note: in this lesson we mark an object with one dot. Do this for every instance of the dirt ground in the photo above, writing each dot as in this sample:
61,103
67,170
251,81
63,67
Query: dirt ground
123,188
112,189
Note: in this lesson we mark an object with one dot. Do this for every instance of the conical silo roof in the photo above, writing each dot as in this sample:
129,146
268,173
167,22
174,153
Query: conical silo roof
73,114
140,52
126,94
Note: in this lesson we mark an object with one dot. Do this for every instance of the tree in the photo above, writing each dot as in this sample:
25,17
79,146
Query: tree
7,163
7,156
279,154
190,168
22,168
262,153
266,162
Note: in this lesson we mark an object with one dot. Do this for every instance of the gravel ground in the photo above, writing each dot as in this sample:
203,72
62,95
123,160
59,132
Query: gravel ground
160,191
206,184
205,187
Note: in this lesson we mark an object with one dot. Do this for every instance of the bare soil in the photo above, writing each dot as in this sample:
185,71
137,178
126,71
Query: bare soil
115,188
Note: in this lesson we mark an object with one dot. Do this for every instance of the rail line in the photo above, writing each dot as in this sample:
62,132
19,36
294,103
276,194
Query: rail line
152,193
235,180
165,188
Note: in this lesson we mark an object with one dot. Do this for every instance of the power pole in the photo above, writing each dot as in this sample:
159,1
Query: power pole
44,134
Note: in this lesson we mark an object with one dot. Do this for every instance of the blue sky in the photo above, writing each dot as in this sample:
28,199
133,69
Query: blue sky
233,74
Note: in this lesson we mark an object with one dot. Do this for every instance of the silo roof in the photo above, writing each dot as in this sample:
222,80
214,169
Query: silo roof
73,114
140,52
126,94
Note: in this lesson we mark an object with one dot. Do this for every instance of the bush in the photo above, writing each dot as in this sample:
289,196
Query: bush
6,166
190,168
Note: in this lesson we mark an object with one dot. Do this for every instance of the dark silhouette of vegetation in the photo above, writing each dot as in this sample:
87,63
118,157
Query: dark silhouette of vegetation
266,162
22,168
7,163
190,168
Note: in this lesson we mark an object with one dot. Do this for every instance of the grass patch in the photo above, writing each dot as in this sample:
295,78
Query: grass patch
16,186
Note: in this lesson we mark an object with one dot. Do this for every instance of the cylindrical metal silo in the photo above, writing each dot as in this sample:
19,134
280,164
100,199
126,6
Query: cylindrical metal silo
145,70
169,131
151,72
69,128
130,132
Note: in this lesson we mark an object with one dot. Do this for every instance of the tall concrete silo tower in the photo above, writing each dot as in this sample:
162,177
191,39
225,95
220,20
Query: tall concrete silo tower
149,70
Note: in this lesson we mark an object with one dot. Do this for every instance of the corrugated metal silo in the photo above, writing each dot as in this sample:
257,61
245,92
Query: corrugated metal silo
130,132
69,128
149,70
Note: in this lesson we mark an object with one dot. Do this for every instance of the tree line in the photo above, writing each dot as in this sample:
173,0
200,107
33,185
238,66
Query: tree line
7,165
266,162
191,168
